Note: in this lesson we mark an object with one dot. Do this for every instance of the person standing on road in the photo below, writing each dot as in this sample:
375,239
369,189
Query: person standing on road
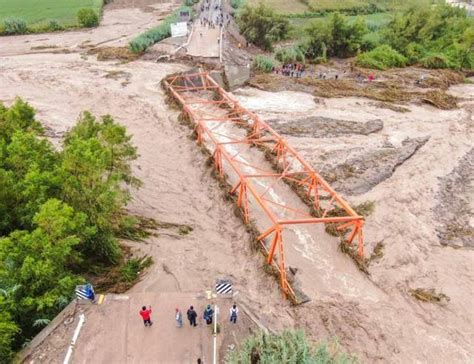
146,315
208,312
192,316
179,318
233,314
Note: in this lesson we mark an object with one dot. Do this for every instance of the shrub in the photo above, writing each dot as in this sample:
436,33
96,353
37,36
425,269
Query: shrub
236,4
290,55
263,63
87,18
54,25
287,347
381,58
190,2
370,41
15,26
436,60
131,270
141,43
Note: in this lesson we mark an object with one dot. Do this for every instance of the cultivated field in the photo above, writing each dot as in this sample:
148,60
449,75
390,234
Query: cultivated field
43,11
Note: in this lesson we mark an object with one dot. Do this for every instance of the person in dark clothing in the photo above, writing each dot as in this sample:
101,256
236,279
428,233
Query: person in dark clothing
146,315
208,312
192,316
233,314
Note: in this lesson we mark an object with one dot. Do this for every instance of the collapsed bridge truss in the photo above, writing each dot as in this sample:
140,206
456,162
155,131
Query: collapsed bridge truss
216,115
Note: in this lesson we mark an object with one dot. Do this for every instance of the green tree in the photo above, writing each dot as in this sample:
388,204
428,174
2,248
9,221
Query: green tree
36,262
8,330
60,213
95,166
336,37
436,36
261,26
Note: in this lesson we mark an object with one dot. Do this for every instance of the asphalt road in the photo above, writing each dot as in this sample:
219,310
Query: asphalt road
206,34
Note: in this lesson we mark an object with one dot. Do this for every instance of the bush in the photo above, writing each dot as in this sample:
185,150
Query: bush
290,55
141,43
15,26
263,63
87,18
236,4
54,25
190,2
370,41
131,270
381,58
287,347
436,60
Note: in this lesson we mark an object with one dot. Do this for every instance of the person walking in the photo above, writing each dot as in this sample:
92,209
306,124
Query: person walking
233,314
146,315
192,316
179,318
208,312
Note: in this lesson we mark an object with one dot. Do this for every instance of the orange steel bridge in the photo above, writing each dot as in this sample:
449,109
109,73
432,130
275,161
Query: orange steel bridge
215,115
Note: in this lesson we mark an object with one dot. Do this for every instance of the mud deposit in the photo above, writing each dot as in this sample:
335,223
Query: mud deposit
403,166
414,167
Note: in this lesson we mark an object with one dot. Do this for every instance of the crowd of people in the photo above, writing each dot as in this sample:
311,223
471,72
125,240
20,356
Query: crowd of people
211,20
191,314
291,69
299,70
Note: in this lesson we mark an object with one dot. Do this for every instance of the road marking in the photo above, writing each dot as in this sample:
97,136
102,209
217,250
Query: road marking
101,299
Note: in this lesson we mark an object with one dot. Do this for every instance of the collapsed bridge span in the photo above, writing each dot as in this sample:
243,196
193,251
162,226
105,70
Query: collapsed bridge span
242,145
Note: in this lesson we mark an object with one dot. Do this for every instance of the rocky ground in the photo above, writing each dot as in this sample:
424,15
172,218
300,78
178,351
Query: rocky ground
413,161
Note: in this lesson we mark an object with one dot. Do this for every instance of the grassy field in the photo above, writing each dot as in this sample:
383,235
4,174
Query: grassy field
42,11
283,6
301,6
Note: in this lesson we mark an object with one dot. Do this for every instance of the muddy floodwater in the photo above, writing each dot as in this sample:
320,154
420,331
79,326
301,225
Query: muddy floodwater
415,166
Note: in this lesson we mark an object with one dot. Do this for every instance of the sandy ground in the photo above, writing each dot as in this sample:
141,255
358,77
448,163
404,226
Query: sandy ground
388,326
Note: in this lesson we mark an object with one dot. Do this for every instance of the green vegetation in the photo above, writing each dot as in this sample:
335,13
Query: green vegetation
381,58
236,4
190,2
131,270
87,18
263,63
335,38
15,26
261,26
141,43
44,15
290,55
384,34
438,36
60,213
289,347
